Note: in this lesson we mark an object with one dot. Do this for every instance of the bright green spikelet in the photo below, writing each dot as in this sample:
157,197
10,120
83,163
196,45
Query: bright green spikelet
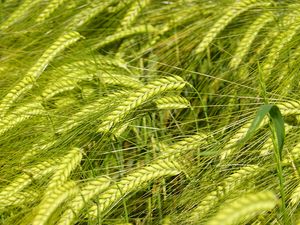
250,35
87,14
63,84
50,8
280,42
19,199
295,196
52,202
231,145
140,97
244,208
295,153
229,184
19,115
264,45
37,148
124,34
289,107
95,63
78,117
58,46
19,13
187,144
294,157
67,164
88,191
120,80
230,13
172,102
33,74
132,182
90,109
25,179
132,13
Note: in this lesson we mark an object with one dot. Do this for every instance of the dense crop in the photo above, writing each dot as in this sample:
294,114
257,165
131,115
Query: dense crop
141,112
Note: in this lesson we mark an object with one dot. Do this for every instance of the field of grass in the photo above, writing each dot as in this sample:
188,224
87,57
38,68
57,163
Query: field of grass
141,112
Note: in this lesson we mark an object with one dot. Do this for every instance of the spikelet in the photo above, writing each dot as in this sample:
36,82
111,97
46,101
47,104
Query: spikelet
189,143
58,46
263,46
52,202
289,107
133,182
228,185
61,85
120,80
88,110
94,64
25,179
19,115
140,97
123,34
231,13
295,152
177,21
19,13
85,15
32,75
50,8
250,35
172,102
18,199
132,13
37,148
88,191
231,145
64,169
295,195
280,42
244,208
294,156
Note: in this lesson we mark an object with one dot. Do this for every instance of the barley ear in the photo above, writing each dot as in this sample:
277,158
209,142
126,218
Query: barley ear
88,191
67,165
227,185
140,97
250,35
189,143
172,102
231,13
280,42
132,182
132,13
231,145
50,203
123,34
19,13
244,208
26,178
19,199
19,115
50,8
32,75
85,15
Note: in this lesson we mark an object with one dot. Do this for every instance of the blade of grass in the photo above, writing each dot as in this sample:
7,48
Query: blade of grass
278,136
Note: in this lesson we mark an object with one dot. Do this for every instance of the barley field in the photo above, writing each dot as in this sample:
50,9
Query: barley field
149,112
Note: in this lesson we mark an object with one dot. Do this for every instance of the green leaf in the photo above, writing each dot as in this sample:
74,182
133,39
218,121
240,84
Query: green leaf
277,125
